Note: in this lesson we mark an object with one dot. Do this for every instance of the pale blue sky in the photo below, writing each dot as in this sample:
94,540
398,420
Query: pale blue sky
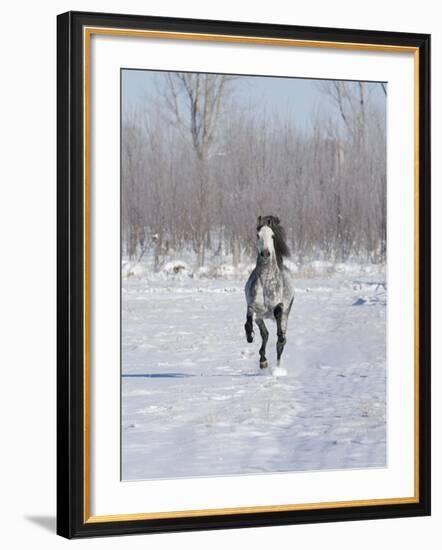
296,98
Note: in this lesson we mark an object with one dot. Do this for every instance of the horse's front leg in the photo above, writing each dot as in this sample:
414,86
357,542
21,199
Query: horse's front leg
262,350
281,325
249,326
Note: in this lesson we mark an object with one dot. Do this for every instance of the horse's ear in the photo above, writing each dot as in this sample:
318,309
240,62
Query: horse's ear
258,221
276,220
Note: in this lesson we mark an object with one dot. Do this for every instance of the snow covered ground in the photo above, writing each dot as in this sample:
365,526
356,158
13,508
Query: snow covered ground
195,403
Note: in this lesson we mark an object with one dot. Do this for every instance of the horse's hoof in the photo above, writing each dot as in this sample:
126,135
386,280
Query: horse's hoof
250,337
263,365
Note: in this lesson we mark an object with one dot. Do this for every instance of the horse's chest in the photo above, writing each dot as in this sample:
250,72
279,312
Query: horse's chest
271,292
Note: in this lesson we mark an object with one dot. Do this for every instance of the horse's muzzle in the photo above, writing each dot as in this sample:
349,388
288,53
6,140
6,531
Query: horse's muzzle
265,253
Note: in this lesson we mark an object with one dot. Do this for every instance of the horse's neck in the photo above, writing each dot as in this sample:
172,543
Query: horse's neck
269,269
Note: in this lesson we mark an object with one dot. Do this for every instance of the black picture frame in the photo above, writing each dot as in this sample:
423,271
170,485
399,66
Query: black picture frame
72,520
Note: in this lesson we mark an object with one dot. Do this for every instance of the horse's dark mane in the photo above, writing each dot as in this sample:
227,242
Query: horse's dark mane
281,247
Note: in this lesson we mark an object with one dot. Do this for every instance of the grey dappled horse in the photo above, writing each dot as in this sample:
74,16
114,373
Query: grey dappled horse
269,289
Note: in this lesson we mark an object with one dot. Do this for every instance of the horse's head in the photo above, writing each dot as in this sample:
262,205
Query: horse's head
266,235
271,238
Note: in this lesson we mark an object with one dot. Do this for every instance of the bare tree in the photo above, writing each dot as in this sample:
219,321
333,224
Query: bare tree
194,102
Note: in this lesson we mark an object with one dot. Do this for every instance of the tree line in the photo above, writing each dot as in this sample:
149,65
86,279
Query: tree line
198,167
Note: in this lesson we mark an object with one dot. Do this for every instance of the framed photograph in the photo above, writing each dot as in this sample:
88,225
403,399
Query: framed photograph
243,274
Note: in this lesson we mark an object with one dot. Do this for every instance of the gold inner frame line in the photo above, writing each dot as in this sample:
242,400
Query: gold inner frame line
87,33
